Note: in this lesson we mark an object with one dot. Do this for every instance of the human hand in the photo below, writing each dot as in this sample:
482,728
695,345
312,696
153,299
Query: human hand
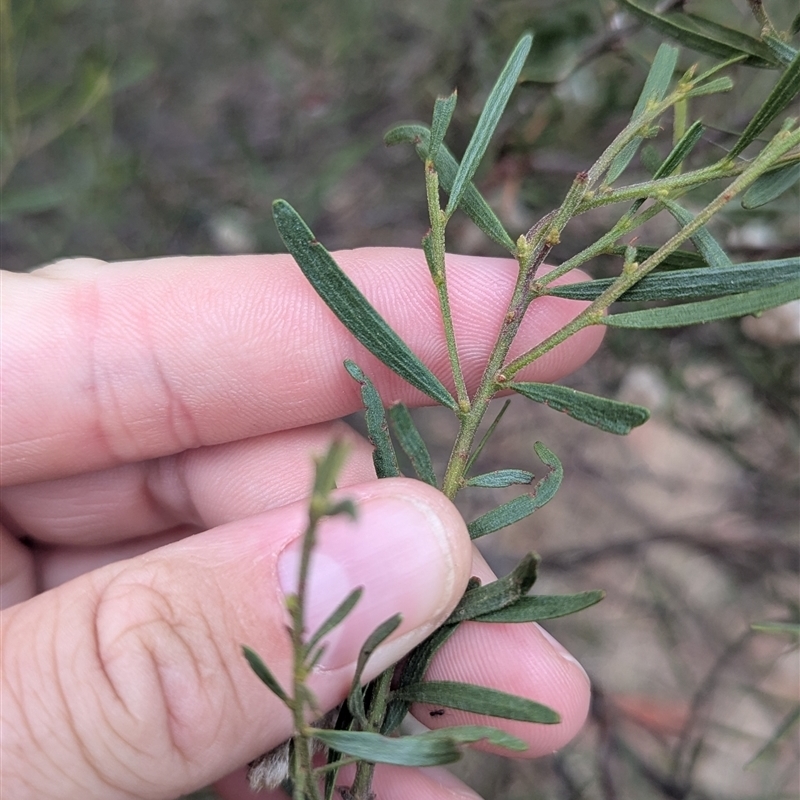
158,423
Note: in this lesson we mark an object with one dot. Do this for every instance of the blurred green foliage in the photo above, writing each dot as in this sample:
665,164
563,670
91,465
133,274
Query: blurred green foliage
133,129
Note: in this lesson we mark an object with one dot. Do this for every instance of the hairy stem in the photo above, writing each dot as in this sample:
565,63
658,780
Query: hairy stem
305,785
433,246
593,314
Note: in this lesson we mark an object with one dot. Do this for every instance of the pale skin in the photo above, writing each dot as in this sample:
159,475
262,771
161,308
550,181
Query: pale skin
158,423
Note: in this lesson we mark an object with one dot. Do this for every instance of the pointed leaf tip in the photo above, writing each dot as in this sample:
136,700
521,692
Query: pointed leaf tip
354,311
487,123
655,87
472,202
264,674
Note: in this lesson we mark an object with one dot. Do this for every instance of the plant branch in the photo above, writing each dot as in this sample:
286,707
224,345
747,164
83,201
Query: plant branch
434,247
726,168
783,141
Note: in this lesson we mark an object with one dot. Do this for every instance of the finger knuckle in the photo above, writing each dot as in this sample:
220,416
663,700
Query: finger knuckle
158,654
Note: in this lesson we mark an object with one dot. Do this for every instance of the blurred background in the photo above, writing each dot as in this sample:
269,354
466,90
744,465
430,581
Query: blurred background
136,129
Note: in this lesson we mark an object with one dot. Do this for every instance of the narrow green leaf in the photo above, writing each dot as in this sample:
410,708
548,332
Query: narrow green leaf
383,456
501,478
35,199
681,150
706,244
490,116
414,671
739,40
678,259
702,35
486,436
343,722
342,296
415,133
783,51
412,443
737,305
314,659
264,674
777,627
770,186
498,594
655,87
376,638
688,284
472,202
524,505
406,751
421,750
783,93
712,87
335,618
651,161
355,700
478,700
345,506
469,734
326,469
608,415
541,607
442,114
794,27
503,516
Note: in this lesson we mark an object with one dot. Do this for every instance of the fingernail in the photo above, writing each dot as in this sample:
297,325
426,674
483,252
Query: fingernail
398,550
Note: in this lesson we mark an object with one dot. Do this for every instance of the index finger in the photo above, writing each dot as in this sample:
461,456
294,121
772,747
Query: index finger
106,364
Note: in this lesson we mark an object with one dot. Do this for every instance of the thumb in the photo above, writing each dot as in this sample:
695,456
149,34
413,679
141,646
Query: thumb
130,682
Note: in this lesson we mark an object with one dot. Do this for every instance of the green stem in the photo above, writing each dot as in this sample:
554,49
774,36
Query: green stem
663,186
335,765
627,223
305,786
362,785
681,113
640,125
631,131
531,251
520,299
593,314
433,246
580,198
